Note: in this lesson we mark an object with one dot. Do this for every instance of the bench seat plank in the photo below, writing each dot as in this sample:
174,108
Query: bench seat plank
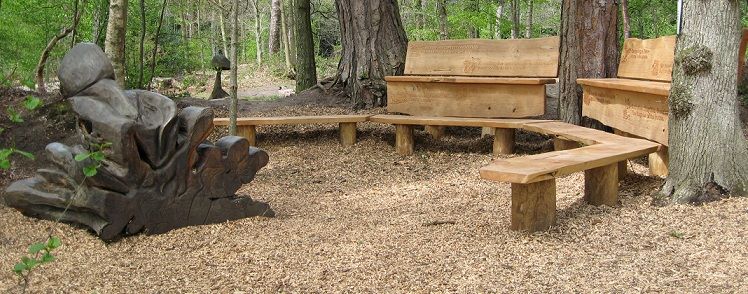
452,121
574,133
546,166
471,80
293,120
649,87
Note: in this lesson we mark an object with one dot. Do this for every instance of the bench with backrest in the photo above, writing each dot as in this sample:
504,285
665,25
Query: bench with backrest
470,79
247,126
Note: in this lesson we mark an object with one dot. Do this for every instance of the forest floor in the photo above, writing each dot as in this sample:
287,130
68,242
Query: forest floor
364,219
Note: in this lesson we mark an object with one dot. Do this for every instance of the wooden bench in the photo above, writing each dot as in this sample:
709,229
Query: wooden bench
246,126
533,177
471,79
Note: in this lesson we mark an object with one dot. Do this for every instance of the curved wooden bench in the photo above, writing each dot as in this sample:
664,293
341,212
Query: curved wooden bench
247,126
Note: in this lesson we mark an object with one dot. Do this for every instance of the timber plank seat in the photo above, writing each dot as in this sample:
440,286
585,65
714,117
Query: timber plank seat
246,126
533,177
475,78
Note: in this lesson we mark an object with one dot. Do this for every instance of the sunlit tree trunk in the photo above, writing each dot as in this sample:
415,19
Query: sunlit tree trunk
233,108
114,45
274,43
626,18
515,19
528,29
441,7
224,38
306,69
708,151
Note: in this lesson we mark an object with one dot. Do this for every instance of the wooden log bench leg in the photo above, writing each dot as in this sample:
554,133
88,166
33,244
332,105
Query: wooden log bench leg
533,206
623,169
658,163
404,139
601,185
562,144
348,133
249,132
503,141
436,132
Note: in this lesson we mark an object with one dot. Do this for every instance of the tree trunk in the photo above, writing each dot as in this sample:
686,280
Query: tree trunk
41,87
285,37
115,38
141,65
224,38
588,29
626,19
374,46
155,44
528,29
306,71
441,7
274,43
74,33
233,108
258,36
515,19
499,14
708,151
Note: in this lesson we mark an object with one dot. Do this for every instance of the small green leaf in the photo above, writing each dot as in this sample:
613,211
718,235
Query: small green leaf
54,242
13,115
4,153
4,163
98,156
90,171
48,257
25,154
677,234
19,268
35,248
82,156
32,102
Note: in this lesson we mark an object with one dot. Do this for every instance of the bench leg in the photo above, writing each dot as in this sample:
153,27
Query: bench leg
658,163
248,132
561,144
503,141
404,139
533,206
436,132
623,169
601,185
348,134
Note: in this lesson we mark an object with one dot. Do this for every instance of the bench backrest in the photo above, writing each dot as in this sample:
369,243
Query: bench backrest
650,59
535,58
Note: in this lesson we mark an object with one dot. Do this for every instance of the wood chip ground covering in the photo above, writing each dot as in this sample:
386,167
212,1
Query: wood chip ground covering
363,219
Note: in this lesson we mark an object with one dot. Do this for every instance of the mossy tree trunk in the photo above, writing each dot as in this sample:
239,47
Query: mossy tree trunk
306,68
589,49
708,151
374,45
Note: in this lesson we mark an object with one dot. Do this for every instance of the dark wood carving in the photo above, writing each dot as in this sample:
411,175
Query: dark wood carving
219,63
159,174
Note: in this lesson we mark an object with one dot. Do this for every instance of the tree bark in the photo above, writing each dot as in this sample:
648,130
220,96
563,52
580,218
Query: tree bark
708,151
374,46
224,38
74,33
114,45
155,44
588,29
528,29
626,19
234,88
515,19
141,64
41,86
258,36
274,43
286,38
306,71
499,14
441,7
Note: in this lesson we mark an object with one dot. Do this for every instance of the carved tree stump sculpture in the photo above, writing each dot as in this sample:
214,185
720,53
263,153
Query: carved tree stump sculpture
159,173
219,63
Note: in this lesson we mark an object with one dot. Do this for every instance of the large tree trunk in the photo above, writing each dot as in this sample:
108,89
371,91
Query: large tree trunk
515,19
441,7
708,151
528,29
374,46
588,29
626,19
274,43
234,88
114,45
306,70
499,14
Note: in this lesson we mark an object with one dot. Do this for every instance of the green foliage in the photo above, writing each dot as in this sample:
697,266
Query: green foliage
38,254
96,157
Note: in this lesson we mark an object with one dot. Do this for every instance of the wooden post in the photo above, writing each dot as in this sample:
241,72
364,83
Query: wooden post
404,139
533,206
436,132
248,132
658,162
348,134
623,167
503,141
561,144
601,185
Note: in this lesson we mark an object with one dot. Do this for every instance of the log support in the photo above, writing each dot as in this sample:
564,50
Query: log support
562,144
658,163
533,206
436,132
503,141
623,169
601,185
404,139
249,132
348,134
